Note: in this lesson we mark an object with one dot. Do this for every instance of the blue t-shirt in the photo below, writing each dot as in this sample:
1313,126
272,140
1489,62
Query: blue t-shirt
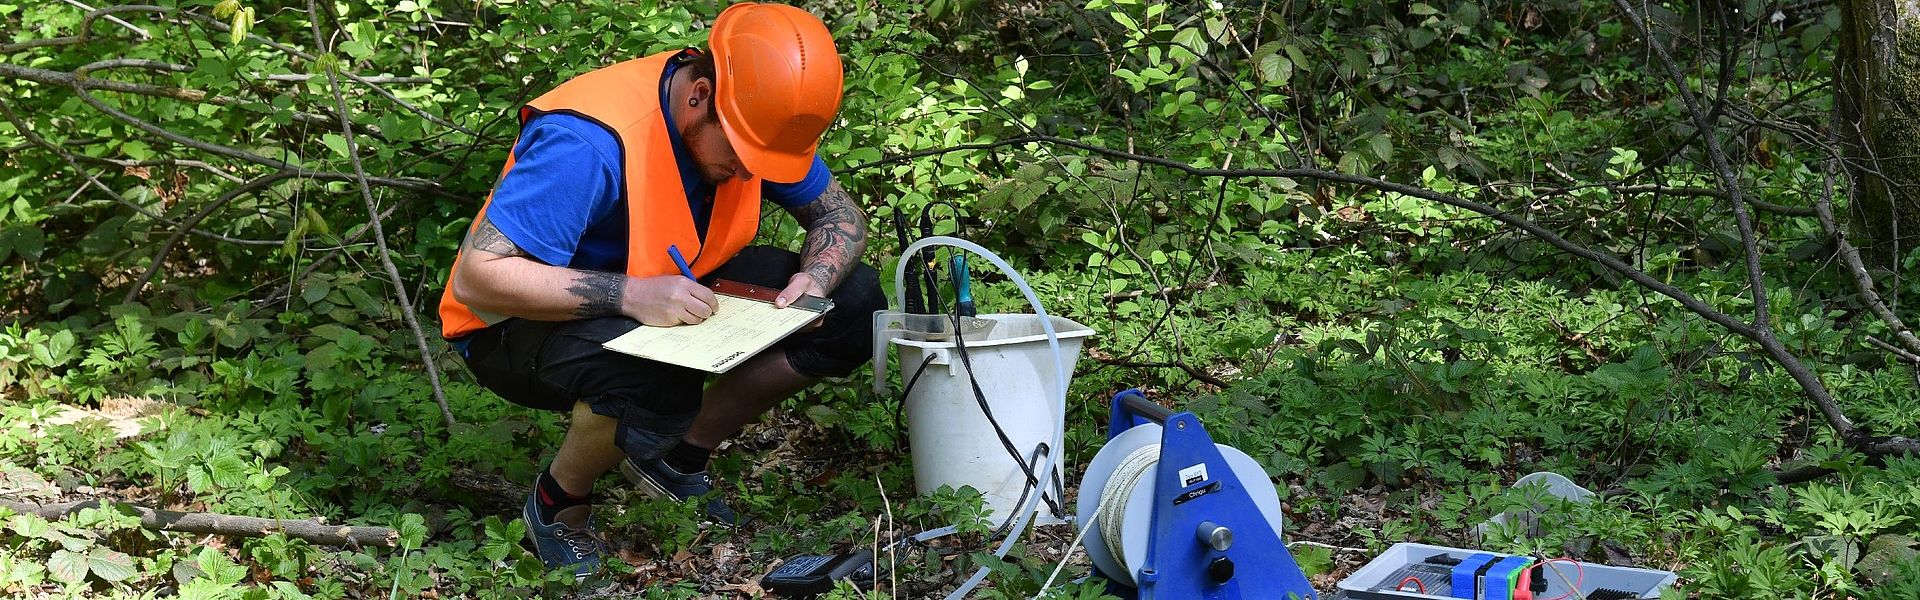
561,200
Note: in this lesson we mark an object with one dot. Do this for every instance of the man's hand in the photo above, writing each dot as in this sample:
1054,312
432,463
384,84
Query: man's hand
800,284
668,300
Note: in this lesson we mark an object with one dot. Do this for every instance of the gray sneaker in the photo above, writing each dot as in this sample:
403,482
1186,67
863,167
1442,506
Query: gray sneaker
569,541
658,480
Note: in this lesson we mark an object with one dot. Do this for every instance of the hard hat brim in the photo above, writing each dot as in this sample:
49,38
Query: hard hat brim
767,163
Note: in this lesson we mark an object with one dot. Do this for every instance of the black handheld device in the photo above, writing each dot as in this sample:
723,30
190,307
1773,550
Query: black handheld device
807,575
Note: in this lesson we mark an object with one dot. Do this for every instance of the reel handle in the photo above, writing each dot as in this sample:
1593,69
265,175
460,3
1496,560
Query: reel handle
1130,408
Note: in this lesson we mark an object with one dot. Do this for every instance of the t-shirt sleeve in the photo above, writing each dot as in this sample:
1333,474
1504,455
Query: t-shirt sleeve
793,195
560,184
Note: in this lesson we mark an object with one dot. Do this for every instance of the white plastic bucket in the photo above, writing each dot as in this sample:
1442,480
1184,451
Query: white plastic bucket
953,443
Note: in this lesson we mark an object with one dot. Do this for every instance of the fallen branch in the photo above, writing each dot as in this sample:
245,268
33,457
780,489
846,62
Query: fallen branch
1761,331
185,522
1758,332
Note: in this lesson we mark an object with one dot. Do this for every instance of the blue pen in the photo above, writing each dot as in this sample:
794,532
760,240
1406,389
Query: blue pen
681,261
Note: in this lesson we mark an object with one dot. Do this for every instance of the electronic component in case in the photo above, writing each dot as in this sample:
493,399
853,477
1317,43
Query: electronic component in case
805,576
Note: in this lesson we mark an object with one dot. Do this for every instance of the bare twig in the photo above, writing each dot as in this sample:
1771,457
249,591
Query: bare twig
299,77
1165,291
373,220
1862,279
72,160
166,248
112,19
1897,351
255,185
184,522
1761,332
1191,370
86,28
63,78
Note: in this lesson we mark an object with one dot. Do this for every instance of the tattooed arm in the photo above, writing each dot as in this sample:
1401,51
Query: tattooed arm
836,239
496,276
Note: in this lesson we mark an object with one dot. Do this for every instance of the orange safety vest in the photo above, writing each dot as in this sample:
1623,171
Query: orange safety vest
625,99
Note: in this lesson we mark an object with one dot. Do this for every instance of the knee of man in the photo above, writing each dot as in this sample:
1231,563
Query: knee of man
860,292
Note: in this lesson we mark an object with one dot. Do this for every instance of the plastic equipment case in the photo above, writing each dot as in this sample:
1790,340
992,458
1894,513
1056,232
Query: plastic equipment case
1382,579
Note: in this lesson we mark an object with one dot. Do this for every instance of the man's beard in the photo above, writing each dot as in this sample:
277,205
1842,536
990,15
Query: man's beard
698,130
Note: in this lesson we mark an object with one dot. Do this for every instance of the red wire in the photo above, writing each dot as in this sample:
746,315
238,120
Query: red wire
1580,575
1416,584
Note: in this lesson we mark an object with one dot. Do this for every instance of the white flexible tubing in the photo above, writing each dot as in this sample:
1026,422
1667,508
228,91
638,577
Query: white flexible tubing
1059,368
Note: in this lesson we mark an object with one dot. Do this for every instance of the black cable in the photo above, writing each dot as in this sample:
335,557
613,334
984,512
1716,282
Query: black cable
980,397
966,360
1041,449
900,403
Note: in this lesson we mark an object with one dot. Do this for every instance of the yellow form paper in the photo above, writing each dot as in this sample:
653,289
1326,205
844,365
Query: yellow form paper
745,324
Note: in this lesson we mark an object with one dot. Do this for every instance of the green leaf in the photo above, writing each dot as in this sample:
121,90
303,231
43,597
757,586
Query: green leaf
57,351
227,470
111,565
28,242
413,530
217,568
1272,68
1124,20
334,142
1420,37
1189,44
68,566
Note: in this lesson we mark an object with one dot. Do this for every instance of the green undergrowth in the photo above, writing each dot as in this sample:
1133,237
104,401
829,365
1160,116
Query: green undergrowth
1428,391
1393,363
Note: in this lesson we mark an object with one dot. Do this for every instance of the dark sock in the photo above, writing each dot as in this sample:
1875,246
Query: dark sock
687,458
549,498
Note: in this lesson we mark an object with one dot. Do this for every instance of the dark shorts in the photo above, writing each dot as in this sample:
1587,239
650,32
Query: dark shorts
550,365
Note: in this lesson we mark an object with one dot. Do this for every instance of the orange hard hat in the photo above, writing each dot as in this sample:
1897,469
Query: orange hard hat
778,86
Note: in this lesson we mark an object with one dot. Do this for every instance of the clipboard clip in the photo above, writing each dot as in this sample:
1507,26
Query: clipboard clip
767,294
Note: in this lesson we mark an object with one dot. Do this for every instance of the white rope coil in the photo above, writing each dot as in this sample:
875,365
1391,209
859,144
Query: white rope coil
1112,512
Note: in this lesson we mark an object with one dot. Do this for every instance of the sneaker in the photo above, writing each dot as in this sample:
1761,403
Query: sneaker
658,480
568,542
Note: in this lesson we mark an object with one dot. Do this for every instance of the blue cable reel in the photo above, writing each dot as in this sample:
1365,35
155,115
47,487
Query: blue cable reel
1176,516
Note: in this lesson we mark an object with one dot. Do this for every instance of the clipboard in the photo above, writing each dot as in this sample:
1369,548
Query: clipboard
745,324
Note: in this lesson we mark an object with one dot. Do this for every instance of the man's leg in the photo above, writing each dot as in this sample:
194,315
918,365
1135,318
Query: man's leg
742,395
587,452
617,405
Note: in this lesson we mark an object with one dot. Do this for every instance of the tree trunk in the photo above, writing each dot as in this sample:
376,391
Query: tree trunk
1877,104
